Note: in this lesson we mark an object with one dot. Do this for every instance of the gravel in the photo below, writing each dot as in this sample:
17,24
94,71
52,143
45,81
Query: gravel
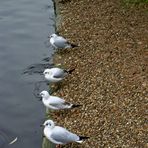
110,79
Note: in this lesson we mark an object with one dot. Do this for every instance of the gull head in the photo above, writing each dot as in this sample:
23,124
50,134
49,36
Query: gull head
49,123
53,35
47,72
44,94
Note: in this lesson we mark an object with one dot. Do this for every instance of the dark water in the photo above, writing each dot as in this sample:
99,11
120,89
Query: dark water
24,27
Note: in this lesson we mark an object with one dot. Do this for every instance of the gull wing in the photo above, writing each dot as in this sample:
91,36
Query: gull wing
62,135
60,42
59,73
56,101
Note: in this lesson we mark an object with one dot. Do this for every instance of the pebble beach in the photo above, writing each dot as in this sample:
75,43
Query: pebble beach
110,77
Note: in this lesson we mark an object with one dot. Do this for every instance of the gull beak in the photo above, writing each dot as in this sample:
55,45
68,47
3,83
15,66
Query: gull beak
49,35
39,96
42,125
40,99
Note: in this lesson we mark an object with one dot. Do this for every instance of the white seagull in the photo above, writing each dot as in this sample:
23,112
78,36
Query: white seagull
60,42
59,135
56,74
55,103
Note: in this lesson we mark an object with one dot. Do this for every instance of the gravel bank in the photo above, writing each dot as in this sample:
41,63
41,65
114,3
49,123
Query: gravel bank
110,77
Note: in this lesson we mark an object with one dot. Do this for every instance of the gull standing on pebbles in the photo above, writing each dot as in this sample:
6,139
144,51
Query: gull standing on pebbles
60,135
60,42
54,102
56,74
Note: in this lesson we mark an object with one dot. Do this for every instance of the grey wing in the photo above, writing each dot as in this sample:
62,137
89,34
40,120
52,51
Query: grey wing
59,74
59,104
60,42
62,135
56,101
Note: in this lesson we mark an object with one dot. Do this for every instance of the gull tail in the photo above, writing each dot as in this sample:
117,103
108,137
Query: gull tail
75,105
64,1
82,138
69,71
74,45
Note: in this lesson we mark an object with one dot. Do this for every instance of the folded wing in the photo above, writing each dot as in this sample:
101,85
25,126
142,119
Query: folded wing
62,135
60,42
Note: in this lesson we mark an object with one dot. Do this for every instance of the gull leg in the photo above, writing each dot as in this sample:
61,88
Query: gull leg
55,87
52,88
47,83
57,114
52,85
59,51
58,86
52,113
58,146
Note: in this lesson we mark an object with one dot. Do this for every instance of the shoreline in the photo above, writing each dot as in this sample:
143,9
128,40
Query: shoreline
46,143
110,76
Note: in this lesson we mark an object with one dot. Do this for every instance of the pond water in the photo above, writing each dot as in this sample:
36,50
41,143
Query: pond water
24,28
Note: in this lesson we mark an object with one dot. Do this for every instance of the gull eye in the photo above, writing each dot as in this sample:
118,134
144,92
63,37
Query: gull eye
46,124
47,73
49,124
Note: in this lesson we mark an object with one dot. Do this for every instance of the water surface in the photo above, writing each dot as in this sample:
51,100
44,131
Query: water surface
24,27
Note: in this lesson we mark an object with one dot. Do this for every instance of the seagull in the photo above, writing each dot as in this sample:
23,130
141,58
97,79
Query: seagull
60,135
56,74
60,42
54,102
